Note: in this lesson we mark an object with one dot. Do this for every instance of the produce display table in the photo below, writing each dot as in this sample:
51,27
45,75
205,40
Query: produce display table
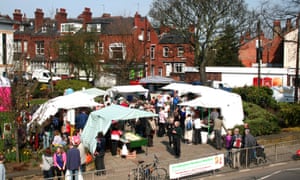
134,140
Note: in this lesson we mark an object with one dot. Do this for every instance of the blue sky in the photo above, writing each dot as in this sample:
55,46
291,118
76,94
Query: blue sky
75,7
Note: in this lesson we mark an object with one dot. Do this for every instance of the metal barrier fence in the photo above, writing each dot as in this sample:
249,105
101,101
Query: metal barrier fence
264,155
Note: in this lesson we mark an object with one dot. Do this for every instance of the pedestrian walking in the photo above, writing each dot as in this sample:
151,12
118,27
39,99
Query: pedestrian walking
99,154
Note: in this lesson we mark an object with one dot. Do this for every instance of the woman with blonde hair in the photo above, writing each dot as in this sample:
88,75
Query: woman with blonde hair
59,162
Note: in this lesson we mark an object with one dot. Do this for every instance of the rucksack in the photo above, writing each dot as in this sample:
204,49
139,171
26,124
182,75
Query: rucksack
237,142
189,125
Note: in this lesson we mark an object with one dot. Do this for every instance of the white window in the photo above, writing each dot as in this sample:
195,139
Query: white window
70,27
141,36
152,52
25,46
21,28
100,46
18,46
117,51
180,51
89,47
178,67
44,29
165,51
93,28
39,48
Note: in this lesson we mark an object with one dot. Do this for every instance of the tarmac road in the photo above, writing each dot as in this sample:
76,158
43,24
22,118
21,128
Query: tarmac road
281,171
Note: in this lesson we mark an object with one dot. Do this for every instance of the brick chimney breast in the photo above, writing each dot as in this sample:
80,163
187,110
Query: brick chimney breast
17,17
39,19
61,17
288,25
276,28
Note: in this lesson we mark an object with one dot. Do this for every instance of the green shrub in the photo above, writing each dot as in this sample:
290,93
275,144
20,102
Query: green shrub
289,115
261,96
261,121
74,84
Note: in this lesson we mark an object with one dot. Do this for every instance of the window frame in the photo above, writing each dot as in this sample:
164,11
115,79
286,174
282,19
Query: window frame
166,51
40,48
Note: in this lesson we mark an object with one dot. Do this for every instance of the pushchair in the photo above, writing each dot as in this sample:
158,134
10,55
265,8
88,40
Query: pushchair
260,155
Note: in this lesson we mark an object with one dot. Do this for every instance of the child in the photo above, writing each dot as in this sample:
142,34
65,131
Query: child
228,139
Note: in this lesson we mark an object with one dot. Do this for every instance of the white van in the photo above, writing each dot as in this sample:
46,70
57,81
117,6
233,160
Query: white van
44,76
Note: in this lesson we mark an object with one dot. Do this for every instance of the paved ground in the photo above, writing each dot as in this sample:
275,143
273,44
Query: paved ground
118,168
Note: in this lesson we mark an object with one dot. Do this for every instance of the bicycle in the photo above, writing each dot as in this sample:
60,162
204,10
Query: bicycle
150,171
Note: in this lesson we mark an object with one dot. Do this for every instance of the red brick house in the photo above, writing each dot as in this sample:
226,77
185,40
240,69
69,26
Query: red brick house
128,41
272,48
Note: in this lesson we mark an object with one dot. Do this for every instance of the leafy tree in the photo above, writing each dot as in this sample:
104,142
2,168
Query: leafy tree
226,49
208,19
79,50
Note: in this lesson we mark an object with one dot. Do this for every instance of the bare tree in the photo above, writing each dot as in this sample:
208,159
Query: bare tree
208,19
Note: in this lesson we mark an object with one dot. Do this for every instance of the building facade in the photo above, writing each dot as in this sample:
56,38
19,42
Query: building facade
126,46
6,44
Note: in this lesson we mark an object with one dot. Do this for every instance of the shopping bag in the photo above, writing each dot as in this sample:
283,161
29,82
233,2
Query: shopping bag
124,151
80,177
211,136
68,175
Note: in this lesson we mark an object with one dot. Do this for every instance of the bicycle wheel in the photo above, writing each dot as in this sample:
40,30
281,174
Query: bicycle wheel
136,174
159,174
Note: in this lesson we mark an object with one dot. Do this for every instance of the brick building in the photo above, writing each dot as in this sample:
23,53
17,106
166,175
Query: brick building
272,49
128,44
6,44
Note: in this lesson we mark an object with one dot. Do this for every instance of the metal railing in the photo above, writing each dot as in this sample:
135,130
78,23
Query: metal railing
271,153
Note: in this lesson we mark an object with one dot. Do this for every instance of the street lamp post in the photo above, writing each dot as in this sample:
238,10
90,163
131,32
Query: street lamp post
258,54
297,64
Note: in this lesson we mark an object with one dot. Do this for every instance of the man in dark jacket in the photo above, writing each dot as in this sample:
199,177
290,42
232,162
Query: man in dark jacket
177,134
73,159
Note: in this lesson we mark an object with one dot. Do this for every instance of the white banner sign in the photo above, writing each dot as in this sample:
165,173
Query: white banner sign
196,166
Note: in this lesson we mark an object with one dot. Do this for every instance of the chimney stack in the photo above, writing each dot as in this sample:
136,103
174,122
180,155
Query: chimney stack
39,19
17,17
86,16
288,25
60,17
276,28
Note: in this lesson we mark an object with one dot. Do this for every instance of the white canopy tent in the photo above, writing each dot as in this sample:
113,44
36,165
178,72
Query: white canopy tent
156,80
70,101
184,88
229,103
127,89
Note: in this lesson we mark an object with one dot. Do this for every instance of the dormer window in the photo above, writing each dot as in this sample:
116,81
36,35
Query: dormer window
44,29
21,28
93,28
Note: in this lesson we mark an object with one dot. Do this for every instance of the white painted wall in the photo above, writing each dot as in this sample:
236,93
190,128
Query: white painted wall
243,76
290,49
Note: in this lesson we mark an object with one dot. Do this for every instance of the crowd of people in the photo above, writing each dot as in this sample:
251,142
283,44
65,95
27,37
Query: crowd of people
179,123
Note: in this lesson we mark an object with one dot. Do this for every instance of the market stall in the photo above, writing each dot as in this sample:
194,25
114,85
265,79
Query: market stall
101,120
82,98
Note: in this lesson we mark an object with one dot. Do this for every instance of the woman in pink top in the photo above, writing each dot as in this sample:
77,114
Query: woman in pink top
59,162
